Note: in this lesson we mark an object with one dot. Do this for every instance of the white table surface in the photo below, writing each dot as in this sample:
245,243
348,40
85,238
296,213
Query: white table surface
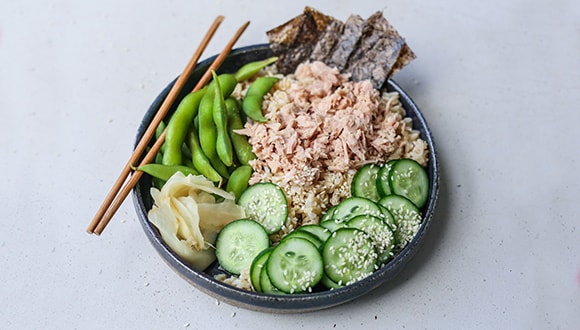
498,82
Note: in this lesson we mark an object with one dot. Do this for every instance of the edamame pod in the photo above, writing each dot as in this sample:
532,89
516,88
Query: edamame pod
251,69
239,180
158,131
158,158
206,126
252,102
208,134
199,159
242,148
164,172
223,142
178,127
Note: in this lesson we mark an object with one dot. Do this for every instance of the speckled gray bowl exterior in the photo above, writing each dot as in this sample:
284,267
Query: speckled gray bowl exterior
205,281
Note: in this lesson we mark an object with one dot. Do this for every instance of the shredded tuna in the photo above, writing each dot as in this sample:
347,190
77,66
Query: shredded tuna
322,127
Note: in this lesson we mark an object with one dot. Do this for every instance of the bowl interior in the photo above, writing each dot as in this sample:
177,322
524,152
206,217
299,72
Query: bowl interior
205,280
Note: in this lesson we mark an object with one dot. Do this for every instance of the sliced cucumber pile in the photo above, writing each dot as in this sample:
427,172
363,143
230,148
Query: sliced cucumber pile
354,238
303,262
403,189
403,177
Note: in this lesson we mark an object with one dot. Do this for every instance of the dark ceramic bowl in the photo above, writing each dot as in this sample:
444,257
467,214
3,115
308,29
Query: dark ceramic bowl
205,281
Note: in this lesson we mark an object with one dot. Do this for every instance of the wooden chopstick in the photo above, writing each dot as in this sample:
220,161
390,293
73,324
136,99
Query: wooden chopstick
109,212
149,133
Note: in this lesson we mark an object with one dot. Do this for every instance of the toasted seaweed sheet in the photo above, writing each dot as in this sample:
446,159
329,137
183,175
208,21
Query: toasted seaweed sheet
366,49
347,43
294,40
327,41
377,51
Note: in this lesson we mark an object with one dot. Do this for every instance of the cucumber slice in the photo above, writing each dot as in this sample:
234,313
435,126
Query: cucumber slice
328,215
353,206
266,203
317,230
388,217
328,283
332,225
379,231
295,265
383,178
265,283
256,268
349,255
307,236
238,244
407,216
409,179
364,182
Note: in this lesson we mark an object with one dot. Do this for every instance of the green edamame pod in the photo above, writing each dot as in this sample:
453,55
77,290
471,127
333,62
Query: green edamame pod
158,131
219,166
239,180
252,102
251,69
199,159
206,126
179,125
207,130
242,148
157,183
223,142
160,128
214,160
164,172
158,158
228,83
252,107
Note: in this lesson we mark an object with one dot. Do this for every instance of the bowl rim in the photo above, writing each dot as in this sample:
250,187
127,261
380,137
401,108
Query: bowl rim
295,303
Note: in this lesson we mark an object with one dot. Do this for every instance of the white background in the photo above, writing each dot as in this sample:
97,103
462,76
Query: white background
498,82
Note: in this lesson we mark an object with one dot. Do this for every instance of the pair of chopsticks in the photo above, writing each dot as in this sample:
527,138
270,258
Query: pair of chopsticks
118,192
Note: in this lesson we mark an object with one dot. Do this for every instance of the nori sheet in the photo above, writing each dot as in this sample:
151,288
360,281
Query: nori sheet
366,49
294,40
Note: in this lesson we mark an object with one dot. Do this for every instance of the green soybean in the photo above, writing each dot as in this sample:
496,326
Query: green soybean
206,126
160,128
158,158
158,183
252,102
178,127
223,143
251,69
199,159
158,131
164,172
215,161
239,180
242,148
